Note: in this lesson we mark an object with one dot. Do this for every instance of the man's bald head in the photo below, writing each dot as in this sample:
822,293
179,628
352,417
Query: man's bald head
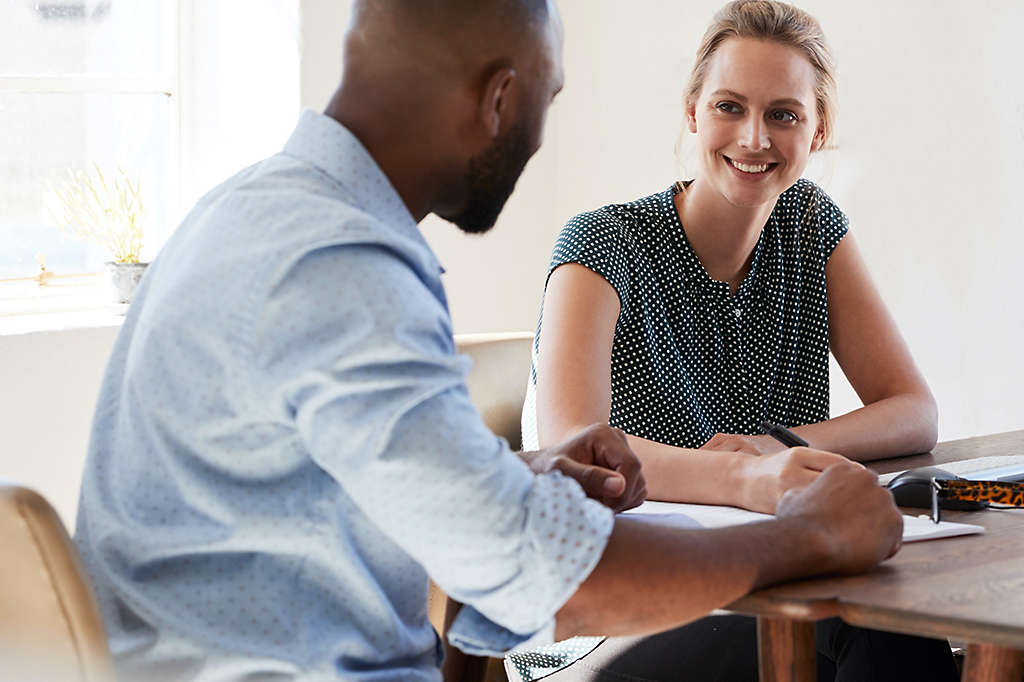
452,94
441,35
513,14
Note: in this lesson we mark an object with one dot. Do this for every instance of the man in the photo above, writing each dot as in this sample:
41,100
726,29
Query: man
284,448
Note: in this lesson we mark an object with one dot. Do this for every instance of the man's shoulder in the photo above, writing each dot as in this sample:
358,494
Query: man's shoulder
275,230
285,205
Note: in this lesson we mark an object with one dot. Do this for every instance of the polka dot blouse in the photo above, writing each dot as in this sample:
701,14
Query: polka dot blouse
689,358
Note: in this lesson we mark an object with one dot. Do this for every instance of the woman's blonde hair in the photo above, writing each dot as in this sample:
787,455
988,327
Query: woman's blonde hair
781,23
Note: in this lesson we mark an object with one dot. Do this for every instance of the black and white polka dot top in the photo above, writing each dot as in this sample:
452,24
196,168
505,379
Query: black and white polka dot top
689,359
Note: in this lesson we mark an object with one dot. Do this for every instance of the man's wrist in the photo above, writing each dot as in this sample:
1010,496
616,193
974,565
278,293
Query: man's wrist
806,549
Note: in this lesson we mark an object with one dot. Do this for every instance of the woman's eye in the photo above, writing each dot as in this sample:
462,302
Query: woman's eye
783,116
728,107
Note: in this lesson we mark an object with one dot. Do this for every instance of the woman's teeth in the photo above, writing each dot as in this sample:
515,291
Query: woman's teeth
759,168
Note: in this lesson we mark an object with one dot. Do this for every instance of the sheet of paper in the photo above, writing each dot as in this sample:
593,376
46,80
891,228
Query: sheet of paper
706,515
921,528
915,528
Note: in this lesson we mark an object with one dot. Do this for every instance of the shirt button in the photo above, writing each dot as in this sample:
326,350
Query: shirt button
737,312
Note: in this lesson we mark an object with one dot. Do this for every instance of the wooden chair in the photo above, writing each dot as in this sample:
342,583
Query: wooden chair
50,624
497,386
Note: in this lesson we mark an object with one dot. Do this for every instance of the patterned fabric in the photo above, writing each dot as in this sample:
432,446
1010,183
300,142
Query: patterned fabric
284,448
689,359
534,664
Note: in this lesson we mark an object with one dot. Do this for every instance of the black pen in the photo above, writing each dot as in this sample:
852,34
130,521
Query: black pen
783,435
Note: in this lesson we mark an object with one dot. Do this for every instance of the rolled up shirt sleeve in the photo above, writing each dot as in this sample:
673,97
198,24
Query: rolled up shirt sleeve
372,383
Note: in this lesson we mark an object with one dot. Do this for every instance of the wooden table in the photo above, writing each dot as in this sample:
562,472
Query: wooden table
968,588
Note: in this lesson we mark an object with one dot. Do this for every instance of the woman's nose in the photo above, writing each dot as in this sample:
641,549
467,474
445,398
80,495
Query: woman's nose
754,136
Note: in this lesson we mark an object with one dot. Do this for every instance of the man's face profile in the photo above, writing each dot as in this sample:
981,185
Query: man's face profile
491,177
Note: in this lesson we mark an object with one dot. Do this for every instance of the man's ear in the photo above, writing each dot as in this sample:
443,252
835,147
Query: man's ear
691,116
495,102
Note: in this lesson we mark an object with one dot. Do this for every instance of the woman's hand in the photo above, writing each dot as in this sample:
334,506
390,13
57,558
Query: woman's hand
752,445
765,479
600,460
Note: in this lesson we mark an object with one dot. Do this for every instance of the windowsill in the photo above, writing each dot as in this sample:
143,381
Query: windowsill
84,303
50,322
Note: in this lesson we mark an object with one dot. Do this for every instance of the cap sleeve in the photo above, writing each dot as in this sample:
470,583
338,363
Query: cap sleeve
598,241
832,222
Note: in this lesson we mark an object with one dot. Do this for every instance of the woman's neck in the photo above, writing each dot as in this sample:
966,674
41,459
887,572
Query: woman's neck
722,235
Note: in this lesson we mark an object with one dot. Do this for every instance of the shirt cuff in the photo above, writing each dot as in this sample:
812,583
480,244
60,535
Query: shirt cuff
474,634
563,538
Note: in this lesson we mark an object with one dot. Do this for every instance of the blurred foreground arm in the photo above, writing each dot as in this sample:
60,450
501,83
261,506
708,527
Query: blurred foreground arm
653,577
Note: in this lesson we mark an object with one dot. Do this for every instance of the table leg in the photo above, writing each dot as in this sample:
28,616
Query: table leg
785,650
991,663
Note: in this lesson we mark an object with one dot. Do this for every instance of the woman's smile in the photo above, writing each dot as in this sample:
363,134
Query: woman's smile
750,169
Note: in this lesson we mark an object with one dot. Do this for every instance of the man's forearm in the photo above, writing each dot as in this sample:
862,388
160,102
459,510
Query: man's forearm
653,577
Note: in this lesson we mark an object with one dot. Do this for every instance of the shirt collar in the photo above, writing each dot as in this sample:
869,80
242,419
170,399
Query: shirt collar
332,148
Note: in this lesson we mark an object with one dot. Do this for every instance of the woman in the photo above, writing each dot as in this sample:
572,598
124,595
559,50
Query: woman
689,317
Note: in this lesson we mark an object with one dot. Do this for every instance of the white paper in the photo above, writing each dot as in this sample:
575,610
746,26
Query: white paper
915,528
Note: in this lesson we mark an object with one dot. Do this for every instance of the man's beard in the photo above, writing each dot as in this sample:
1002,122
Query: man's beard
491,178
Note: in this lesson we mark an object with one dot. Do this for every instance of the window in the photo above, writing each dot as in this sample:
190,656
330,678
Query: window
82,82
179,94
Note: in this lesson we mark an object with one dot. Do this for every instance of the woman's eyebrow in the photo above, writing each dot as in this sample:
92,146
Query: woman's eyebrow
788,101
732,94
729,93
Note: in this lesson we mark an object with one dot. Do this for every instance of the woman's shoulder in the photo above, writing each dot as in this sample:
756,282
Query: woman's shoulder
805,209
621,219
804,192
807,203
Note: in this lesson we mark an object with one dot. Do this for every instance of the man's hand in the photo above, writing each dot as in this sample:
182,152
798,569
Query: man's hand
735,442
853,517
600,459
765,479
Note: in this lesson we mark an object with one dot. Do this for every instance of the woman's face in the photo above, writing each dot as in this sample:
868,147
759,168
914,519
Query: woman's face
755,120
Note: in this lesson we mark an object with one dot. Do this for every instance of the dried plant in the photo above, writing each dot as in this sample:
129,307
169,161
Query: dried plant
107,213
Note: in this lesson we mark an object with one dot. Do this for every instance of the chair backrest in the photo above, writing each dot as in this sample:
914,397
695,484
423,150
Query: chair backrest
497,382
50,624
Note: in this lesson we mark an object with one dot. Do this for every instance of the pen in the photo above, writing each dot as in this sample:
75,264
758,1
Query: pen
783,435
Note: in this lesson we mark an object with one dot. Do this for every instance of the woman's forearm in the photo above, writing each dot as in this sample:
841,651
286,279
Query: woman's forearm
902,424
683,475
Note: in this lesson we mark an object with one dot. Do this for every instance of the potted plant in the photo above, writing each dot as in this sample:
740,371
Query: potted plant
106,212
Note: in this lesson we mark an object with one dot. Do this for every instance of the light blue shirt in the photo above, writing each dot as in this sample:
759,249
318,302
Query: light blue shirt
284,449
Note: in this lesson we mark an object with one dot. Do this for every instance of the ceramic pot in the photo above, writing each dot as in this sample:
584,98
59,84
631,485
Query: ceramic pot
125,279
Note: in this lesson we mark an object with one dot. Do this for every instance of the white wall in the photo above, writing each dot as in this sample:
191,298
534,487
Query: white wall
50,382
930,167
